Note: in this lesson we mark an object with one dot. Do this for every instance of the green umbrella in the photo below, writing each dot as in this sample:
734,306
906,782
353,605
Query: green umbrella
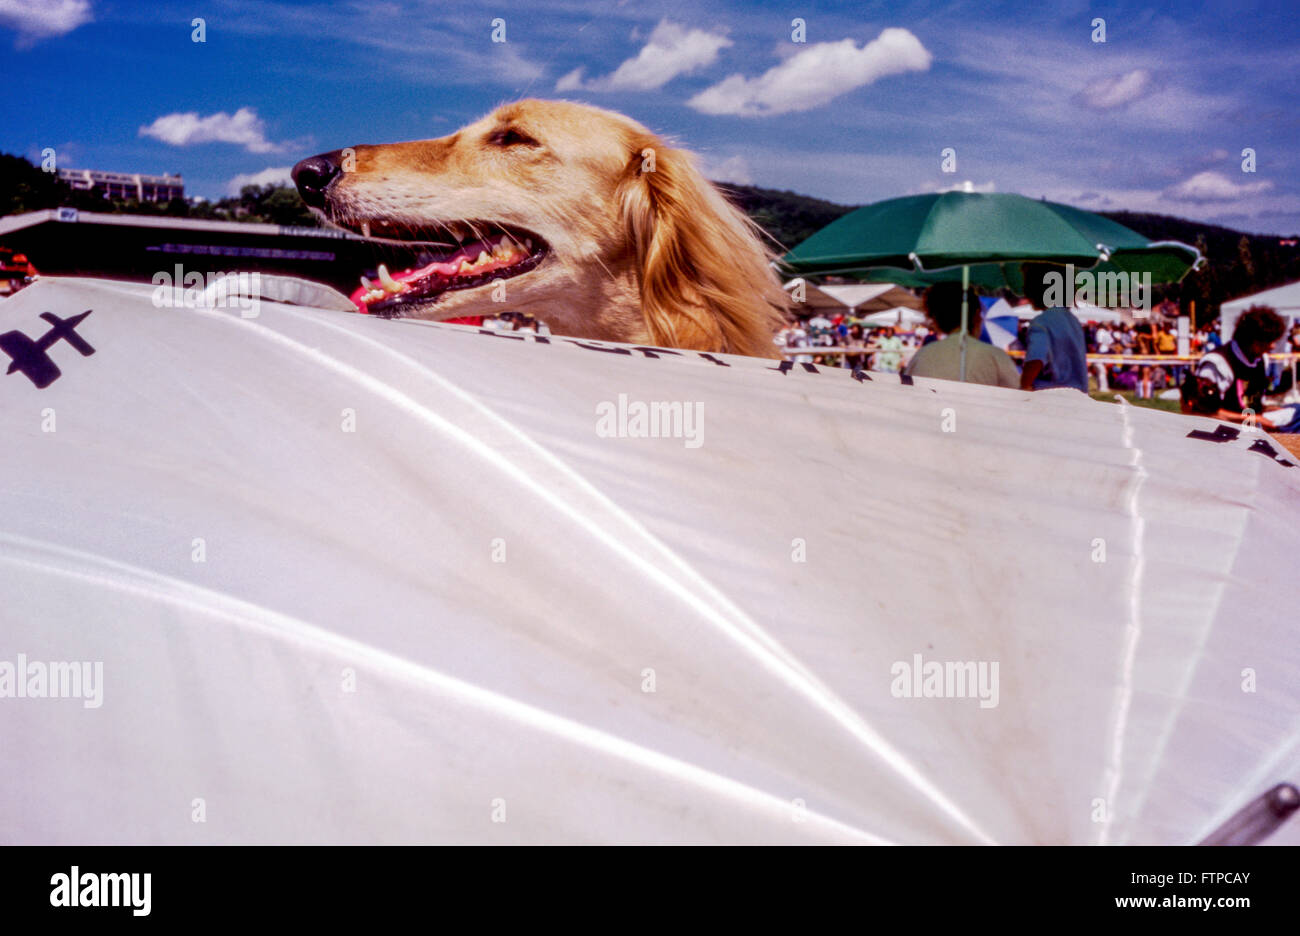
979,239
1166,261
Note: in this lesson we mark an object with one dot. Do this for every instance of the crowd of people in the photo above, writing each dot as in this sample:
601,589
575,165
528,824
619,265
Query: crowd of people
1209,377
516,322
888,344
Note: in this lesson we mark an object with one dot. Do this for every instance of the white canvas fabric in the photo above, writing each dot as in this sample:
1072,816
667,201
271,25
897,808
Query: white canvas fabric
356,580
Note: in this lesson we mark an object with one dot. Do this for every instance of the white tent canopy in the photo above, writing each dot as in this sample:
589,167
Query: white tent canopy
1087,312
898,316
859,297
357,580
871,296
1022,310
1284,299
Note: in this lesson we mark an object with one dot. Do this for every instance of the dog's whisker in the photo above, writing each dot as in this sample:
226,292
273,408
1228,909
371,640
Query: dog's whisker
608,271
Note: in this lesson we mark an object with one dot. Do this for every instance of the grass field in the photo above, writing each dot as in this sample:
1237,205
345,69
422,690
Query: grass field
1290,442
1108,396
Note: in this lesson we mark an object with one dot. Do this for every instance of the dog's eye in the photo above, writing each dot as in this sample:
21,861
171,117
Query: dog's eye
510,137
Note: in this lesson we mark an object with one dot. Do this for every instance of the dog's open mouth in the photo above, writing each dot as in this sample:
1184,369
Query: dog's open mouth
440,258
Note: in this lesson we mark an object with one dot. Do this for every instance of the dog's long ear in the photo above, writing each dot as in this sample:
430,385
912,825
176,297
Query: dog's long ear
706,282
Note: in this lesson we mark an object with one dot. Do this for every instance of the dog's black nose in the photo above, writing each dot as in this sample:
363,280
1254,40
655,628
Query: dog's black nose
313,176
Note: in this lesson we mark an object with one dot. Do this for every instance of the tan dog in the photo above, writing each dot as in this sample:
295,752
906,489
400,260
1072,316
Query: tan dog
576,215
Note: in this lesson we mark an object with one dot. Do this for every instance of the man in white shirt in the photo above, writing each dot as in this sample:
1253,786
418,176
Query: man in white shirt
1105,340
794,336
821,331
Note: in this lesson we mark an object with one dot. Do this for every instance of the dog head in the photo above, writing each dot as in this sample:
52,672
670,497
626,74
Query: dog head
576,215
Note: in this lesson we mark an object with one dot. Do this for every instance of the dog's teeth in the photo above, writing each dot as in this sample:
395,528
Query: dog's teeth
528,242
365,228
387,281
482,258
465,266
366,284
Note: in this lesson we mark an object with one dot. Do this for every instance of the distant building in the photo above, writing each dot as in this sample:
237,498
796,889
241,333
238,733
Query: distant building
125,185
136,247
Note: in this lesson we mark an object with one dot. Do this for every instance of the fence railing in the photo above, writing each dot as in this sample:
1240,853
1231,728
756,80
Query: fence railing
1093,358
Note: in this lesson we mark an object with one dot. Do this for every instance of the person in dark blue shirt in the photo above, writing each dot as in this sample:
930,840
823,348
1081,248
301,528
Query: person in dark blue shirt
1056,354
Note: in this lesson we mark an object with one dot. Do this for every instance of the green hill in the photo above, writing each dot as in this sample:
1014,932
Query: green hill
1239,264
788,217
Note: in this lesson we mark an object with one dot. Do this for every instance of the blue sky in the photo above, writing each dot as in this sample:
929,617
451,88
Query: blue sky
1153,119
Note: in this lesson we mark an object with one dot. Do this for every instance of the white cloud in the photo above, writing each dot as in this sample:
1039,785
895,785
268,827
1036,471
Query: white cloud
570,82
1249,210
734,169
275,175
40,19
815,75
243,128
983,188
502,64
671,50
1215,186
1116,91
1026,85
395,40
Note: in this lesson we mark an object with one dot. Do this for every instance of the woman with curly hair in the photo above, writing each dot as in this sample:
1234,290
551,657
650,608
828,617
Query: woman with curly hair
1229,382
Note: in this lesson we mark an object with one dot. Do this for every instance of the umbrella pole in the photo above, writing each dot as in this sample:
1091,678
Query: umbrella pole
965,318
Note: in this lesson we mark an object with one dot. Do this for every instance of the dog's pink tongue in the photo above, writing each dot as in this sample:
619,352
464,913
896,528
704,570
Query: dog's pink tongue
448,267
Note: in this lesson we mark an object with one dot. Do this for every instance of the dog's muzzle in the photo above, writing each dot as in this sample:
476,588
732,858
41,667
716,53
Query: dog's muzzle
314,175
